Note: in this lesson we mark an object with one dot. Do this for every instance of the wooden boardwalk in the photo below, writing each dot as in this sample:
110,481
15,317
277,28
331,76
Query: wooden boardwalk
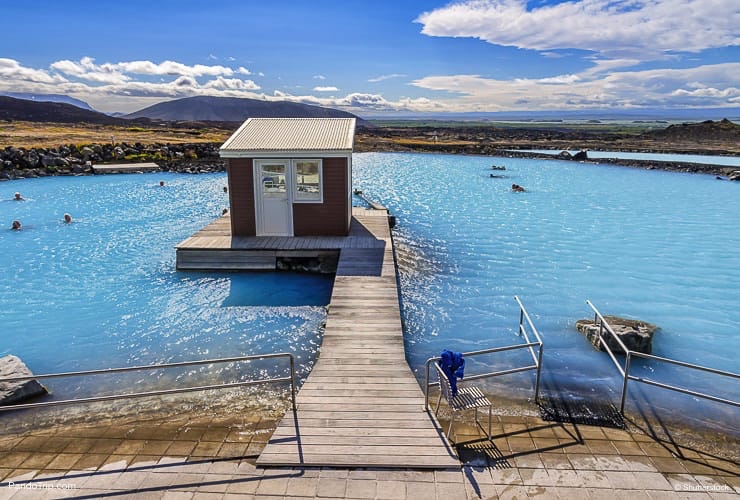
361,406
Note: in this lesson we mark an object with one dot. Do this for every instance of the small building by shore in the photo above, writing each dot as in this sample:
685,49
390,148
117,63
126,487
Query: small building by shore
290,176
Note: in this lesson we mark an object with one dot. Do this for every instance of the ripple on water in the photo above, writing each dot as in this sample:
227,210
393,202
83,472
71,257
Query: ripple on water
644,244
103,292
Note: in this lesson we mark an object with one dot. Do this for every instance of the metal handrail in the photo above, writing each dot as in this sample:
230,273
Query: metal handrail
290,379
528,345
625,372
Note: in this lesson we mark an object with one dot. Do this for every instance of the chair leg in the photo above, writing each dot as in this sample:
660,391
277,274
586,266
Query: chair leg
490,417
452,421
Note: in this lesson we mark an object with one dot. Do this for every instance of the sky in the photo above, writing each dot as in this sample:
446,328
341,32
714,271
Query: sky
379,57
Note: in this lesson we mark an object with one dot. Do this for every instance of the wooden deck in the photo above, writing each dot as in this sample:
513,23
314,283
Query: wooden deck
361,406
213,247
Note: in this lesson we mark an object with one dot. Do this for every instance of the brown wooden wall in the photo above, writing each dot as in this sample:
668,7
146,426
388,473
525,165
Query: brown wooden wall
241,196
331,217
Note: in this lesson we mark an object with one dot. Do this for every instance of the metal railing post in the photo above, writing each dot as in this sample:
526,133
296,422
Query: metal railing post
426,384
292,381
539,371
626,379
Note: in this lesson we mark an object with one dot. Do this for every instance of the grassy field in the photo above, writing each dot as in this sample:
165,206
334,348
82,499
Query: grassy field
32,134
477,137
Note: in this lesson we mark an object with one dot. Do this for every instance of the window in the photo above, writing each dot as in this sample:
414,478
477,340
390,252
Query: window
273,180
307,181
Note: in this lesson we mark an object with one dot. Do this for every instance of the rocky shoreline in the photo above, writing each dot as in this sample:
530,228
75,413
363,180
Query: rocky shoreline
20,163
670,166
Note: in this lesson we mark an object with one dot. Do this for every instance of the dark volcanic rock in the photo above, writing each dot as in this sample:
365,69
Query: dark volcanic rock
69,159
14,392
636,335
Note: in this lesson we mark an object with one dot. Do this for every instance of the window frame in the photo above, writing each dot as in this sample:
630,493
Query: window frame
296,193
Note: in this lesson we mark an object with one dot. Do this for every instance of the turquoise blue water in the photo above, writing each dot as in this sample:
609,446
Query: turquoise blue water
651,245
103,291
730,161
657,246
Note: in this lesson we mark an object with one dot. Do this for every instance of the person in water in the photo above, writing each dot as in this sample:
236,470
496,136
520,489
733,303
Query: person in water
16,226
161,183
67,218
17,197
517,188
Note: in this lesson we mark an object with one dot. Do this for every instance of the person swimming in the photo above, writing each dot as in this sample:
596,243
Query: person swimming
517,188
67,218
17,197
16,226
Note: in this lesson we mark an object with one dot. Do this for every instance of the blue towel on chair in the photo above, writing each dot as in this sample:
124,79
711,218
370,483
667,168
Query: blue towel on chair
453,365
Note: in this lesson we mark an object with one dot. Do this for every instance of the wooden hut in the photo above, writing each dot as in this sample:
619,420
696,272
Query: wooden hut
290,176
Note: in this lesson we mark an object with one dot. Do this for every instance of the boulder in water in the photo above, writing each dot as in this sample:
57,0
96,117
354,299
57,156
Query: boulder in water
636,335
15,392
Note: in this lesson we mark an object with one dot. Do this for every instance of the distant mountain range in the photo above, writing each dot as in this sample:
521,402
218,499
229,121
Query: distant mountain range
233,109
190,109
34,111
65,109
49,98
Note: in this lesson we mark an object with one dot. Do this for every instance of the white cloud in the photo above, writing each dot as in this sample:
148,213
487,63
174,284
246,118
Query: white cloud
125,86
86,69
222,83
385,77
243,71
12,71
612,28
731,92
319,77
559,80
708,85
172,68
132,85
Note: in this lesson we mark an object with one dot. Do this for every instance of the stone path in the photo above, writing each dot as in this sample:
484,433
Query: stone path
207,458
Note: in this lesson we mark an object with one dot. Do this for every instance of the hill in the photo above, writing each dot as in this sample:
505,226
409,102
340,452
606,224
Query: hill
33,111
232,109
709,130
49,98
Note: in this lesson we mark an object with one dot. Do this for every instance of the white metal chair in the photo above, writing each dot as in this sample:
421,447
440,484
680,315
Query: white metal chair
467,397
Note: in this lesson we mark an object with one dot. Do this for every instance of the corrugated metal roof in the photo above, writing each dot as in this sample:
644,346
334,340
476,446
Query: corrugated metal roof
292,134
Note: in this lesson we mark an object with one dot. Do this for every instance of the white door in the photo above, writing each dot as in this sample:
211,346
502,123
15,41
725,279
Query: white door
272,198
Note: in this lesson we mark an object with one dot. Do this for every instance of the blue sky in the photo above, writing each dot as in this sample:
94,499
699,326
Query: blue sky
379,57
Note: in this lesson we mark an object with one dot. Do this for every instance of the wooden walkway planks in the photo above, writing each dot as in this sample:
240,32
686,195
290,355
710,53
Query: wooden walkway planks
361,406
